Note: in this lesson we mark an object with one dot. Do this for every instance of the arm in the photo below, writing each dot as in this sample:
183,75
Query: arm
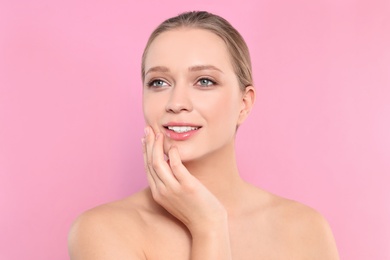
187,199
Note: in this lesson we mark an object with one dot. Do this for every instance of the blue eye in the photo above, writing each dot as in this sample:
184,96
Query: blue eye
157,83
205,82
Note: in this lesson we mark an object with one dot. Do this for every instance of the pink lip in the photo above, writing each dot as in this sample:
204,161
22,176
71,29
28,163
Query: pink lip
180,136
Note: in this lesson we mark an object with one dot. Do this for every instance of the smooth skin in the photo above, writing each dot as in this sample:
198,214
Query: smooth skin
197,206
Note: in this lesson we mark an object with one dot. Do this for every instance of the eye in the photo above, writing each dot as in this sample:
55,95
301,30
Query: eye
205,82
158,83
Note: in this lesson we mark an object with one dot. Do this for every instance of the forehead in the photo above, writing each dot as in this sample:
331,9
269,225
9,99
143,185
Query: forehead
186,47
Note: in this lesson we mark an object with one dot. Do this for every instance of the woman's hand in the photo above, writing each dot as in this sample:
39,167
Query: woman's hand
175,189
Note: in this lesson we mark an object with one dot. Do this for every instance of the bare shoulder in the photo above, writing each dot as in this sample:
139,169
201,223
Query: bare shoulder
109,231
304,229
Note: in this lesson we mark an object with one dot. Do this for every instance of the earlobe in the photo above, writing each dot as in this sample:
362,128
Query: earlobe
248,100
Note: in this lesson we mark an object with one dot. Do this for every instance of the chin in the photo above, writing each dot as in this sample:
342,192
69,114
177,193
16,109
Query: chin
186,154
186,159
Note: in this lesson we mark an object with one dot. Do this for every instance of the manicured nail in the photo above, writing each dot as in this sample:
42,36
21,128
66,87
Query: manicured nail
146,130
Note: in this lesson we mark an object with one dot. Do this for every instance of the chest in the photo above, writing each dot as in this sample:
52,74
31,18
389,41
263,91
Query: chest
249,239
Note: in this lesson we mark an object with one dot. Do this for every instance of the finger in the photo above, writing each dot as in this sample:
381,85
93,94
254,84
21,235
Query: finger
178,169
160,166
149,138
151,181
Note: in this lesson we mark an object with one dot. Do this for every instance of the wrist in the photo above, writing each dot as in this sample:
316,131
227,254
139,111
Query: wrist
212,242
211,228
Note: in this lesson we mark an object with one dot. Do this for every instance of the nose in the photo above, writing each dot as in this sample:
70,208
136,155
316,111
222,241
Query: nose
179,100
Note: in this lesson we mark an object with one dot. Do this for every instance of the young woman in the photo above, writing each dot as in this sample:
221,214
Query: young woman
197,91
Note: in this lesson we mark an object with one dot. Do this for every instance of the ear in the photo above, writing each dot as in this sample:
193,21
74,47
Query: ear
248,100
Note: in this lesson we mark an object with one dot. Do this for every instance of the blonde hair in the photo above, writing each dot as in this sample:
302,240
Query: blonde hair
236,45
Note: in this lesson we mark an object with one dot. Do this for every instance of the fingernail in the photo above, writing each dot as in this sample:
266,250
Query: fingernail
158,135
146,130
143,140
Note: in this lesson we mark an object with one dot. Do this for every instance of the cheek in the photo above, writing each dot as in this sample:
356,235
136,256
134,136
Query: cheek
152,114
221,111
150,111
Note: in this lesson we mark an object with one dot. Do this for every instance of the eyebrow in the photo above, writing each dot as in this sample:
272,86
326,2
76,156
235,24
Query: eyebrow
192,68
204,67
157,69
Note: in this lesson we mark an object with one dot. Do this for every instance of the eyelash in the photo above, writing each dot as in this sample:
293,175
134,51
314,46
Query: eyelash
150,83
213,83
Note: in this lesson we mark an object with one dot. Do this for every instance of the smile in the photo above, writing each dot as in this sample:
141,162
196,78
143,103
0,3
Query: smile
182,129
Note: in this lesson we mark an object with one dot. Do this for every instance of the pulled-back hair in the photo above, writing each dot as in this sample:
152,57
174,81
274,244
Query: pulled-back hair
236,45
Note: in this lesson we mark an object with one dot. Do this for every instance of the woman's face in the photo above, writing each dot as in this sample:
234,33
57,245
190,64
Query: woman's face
191,93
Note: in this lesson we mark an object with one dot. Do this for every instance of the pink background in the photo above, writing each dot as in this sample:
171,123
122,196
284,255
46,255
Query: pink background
71,118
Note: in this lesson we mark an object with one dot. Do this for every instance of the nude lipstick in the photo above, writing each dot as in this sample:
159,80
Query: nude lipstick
180,131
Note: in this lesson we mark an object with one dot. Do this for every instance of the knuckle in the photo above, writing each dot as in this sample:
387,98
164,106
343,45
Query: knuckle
156,196
175,167
164,192
149,163
176,190
190,187
155,164
174,163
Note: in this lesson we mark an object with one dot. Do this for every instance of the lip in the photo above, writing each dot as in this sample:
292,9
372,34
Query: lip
180,136
180,124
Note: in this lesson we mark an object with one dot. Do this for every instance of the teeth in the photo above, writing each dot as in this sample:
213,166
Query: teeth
182,129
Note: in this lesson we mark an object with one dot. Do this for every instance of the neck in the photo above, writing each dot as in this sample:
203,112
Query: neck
218,171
